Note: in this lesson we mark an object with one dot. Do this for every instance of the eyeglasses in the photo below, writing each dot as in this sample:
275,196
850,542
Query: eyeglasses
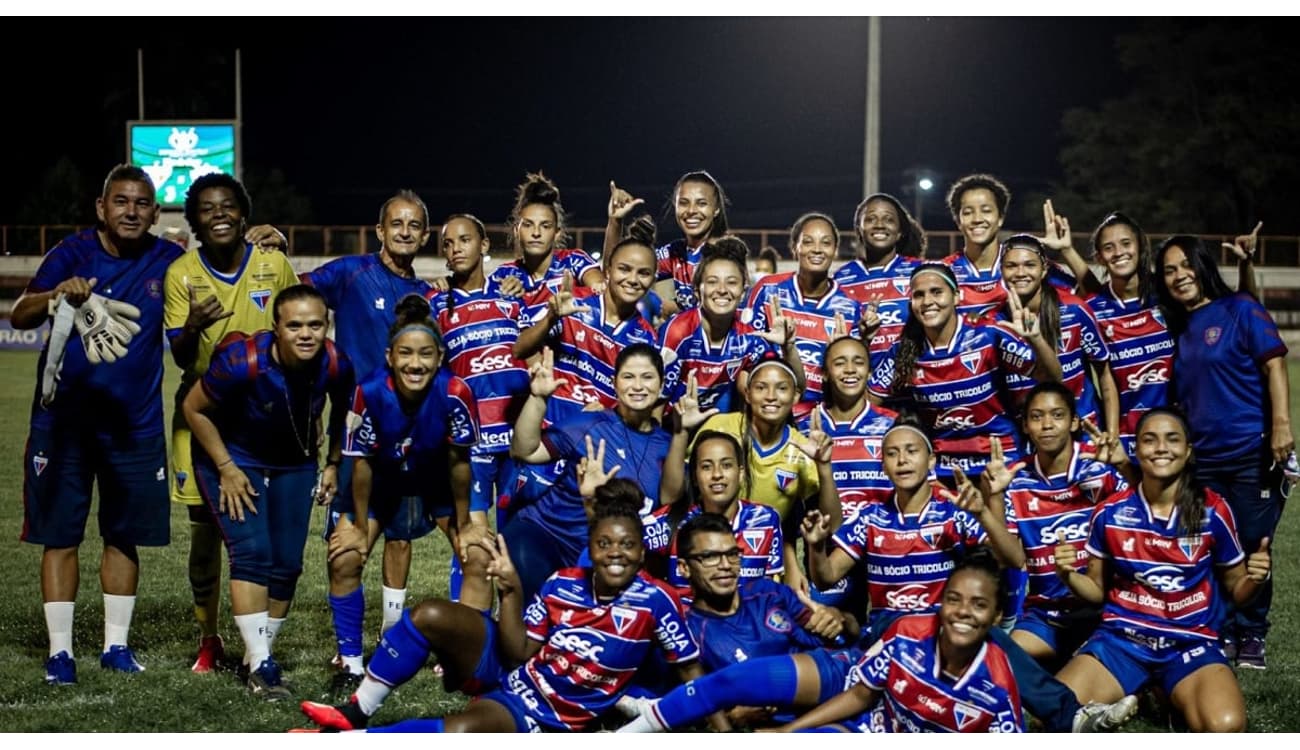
713,558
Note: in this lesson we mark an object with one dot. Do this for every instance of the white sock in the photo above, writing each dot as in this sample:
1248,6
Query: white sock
371,694
273,625
253,629
58,622
117,619
354,664
639,725
394,603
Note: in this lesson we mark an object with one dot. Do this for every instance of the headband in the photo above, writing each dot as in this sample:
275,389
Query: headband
913,429
778,363
934,270
416,327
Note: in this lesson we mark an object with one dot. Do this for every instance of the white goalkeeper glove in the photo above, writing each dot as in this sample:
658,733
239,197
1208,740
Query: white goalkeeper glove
63,314
106,327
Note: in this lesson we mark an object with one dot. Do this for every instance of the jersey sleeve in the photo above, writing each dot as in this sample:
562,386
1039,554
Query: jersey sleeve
971,530
230,371
873,669
881,381
462,414
776,553
1094,344
1096,544
852,538
756,305
567,440
176,300
674,638
328,279
1262,338
536,618
1015,354
359,437
579,263
1223,529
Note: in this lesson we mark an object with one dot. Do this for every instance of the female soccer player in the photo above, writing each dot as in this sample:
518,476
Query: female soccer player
710,341
556,666
764,644
893,243
856,428
1049,503
588,328
549,534
538,229
810,298
254,417
717,468
410,429
936,672
1161,558
480,326
1068,327
1230,377
786,469
954,371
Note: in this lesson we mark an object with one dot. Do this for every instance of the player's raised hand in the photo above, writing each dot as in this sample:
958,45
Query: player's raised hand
780,327
500,568
688,406
205,312
237,493
815,527
967,496
541,375
840,327
472,535
621,202
1109,449
816,444
591,469
1259,565
1245,245
870,322
1023,322
997,475
562,303
1056,230
267,236
511,286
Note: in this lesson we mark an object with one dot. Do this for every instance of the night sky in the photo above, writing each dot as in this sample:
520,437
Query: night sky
458,109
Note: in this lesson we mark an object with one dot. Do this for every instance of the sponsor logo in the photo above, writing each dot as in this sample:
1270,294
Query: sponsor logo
912,596
1163,578
1127,546
1127,516
577,645
161,474
1068,528
1151,373
956,418
379,303
490,363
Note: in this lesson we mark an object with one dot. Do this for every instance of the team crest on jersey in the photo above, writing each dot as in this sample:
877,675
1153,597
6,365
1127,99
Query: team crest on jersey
778,620
964,714
260,297
754,540
902,286
154,287
1212,335
873,449
1110,331
733,367
785,478
1067,339
931,534
1190,545
180,479
39,463
622,617
970,360
506,308
829,325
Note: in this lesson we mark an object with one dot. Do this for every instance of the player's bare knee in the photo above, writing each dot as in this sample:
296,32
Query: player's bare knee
1230,720
475,561
346,567
434,618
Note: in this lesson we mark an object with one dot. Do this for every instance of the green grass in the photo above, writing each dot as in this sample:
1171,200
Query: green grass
168,698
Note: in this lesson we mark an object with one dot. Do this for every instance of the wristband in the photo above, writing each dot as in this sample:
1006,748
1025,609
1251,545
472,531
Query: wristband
335,462
227,461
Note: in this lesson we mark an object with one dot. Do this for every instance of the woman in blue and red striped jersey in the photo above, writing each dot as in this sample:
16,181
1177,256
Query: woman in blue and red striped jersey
538,225
1163,559
1069,328
954,371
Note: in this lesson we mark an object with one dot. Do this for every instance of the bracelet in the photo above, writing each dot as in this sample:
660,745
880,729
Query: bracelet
227,461
335,462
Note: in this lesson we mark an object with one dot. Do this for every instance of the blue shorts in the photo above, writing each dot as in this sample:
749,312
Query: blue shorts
490,476
402,517
1063,631
489,671
834,668
525,723
1134,659
59,471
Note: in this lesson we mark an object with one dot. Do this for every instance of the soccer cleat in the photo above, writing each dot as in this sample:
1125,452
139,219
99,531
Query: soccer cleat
266,682
344,684
120,658
1250,655
212,650
341,718
61,669
1105,717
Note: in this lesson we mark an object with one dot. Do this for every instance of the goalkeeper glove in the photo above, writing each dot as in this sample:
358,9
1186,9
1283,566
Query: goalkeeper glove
106,327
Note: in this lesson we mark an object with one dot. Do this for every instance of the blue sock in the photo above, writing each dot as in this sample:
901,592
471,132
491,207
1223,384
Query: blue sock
348,610
402,652
457,577
769,681
427,726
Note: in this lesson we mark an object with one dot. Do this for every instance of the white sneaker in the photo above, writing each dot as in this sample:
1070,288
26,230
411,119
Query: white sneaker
1105,717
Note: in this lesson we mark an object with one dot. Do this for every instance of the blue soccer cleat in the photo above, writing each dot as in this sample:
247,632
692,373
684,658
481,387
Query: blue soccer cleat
120,658
61,669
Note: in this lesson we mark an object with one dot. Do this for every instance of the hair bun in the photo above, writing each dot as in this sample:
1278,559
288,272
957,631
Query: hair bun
643,230
412,308
538,188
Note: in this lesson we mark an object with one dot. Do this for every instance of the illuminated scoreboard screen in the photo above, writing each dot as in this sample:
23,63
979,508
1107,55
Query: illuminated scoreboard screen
175,153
